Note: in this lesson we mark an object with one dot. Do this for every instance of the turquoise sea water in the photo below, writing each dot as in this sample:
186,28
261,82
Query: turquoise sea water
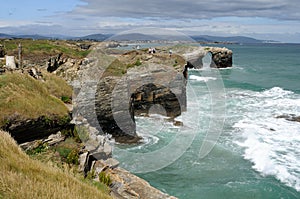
257,155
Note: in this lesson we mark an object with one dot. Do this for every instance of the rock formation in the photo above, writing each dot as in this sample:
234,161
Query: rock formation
34,129
118,99
221,57
114,86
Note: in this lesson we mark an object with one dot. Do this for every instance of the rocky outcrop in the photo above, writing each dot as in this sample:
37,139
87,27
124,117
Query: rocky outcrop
194,58
96,156
221,57
115,117
97,147
291,117
118,99
51,140
35,73
112,88
126,185
136,82
54,62
35,129
65,67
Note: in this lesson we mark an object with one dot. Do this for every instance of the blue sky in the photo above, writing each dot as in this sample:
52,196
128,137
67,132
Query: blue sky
262,19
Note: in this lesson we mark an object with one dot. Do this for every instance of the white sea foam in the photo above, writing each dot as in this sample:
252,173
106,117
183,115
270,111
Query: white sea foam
270,143
203,79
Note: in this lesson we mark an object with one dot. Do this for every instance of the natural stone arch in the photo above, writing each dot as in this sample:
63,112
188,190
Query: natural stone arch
150,94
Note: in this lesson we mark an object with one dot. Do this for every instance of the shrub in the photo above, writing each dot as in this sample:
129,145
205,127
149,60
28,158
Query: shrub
38,148
66,99
105,178
72,157
138,62
91,174
63,152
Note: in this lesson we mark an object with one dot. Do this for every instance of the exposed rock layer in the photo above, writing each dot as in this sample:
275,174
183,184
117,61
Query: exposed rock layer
34,129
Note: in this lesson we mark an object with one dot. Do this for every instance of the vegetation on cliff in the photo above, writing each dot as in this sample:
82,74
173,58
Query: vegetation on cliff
34,179
22,97
37,49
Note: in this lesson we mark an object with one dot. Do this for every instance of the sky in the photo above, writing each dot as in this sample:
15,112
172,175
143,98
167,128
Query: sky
262,19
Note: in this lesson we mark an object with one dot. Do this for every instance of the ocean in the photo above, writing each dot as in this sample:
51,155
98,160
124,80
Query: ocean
256,154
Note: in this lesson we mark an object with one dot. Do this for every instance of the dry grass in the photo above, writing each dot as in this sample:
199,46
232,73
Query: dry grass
22,97
57,86
23,177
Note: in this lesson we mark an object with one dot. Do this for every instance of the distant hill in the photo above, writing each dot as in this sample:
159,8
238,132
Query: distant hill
5,36
143,37
36,36
233,39
94,37
133,37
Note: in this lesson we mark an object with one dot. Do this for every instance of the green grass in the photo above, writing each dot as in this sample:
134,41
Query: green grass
68,151
22,97
44,47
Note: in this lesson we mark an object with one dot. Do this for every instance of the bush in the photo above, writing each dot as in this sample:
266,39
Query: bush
66,99
91,174
63,152
105,178
73,156
138,62
38,148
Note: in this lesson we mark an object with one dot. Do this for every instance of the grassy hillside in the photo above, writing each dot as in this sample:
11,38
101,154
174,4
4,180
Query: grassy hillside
39,51
23,177
22,97
44,47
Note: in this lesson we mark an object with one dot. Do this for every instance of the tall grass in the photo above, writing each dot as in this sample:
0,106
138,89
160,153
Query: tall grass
23,177
44,47
23,97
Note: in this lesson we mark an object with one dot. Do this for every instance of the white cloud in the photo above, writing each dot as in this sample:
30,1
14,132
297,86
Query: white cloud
198,9
215,17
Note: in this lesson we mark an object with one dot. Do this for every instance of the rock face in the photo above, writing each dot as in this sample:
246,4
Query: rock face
194,58
113,115
143,90
54,62
150,94
125,184
34,129
116,86
221,57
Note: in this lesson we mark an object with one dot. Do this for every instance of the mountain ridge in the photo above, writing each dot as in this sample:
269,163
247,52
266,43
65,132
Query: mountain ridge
139,36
